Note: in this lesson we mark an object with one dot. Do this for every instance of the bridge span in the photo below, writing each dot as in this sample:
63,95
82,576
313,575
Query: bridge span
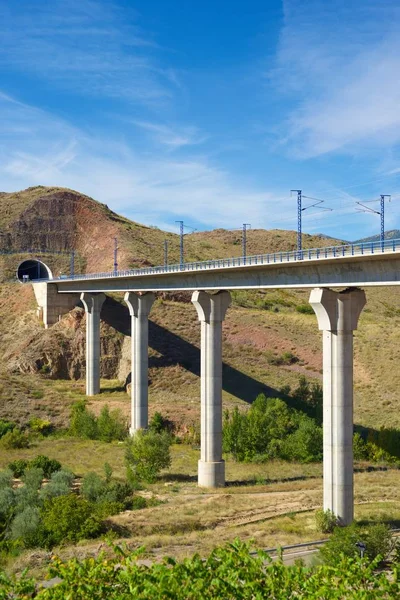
351,267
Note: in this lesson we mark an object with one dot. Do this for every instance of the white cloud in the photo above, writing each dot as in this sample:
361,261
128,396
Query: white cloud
151,190
87,47
341,60
172,137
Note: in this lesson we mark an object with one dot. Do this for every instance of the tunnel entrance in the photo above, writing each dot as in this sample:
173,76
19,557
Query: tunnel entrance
32,269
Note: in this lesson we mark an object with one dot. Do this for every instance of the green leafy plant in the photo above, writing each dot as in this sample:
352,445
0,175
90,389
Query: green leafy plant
18,466
48,465
325,520
147,453
377,538
110,425
14,439
5,427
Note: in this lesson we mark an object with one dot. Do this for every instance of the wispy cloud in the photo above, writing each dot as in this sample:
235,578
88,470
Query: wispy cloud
84,46
172,137
147,189
341,60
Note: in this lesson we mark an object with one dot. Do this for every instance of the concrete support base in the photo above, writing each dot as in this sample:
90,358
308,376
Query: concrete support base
211,474
139,309
52,305
338,315
211,309
92,304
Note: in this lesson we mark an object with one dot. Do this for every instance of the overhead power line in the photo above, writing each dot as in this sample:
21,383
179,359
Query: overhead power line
301,209
381,213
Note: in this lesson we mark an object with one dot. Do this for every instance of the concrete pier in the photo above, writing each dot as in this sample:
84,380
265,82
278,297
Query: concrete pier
92,304
338,314
139,309
211,309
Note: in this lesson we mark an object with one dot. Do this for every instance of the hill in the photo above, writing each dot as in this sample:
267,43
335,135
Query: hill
61,220
393,234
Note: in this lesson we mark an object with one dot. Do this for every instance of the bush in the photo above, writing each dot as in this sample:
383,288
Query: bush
68,519
83,422
33,478
5,427
48,465
93,487
138,502
59,485
146,454
111,426
107,427
325,521
360,450
305,309
305,444
25,526
158,423
41,426
269,429
14,439
377,538
17,467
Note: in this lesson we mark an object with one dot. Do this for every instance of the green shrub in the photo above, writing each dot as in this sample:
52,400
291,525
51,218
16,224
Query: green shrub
269,429
68,519
14,439
83,422
59,485
360,450
17,467
138,502
305,444
158,423
93,487
48,465
111,426
33,478
288,358
107,427
41,426
146,454
5,427
107,471
325,520
377,538
25,526
305,309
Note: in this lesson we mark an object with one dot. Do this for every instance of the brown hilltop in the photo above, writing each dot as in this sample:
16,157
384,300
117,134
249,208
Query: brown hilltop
58,219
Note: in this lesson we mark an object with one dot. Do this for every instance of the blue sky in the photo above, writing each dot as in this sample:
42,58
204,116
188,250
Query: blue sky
206,111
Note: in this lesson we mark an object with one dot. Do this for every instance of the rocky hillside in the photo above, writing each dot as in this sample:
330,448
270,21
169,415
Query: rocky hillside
59,220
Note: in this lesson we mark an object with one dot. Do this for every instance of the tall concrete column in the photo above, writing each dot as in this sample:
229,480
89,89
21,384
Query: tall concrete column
92,304
139,309
338,315
211,309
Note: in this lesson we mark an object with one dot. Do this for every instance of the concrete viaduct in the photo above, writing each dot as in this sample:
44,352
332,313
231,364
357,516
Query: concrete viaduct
349,268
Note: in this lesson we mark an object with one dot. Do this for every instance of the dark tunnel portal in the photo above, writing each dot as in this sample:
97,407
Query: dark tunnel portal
32,269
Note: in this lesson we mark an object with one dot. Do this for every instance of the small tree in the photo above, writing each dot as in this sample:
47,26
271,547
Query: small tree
147,452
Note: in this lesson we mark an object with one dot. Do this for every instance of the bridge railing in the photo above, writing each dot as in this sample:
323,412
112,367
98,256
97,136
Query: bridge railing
305,255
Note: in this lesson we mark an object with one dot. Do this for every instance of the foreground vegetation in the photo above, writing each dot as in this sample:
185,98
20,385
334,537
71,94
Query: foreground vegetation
231,572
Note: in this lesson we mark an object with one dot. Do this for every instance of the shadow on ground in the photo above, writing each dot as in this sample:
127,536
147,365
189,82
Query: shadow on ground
174,350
